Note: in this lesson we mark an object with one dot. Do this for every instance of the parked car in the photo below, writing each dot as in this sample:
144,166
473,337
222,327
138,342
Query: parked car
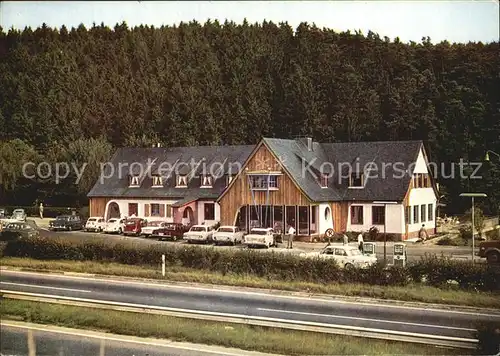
134,226
19,215
260,236
96,224
151,226
199,233
345,256
114,226
19,230
225,234
66,222
171,231
490,250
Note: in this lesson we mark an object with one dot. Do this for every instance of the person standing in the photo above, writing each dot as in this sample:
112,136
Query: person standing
422,234
41,210
346,239
360,241
291,233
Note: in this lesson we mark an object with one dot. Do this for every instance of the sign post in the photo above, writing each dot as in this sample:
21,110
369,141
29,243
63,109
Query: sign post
163,265
472,196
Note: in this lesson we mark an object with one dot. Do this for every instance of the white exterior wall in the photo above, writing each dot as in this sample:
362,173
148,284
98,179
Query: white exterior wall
394,218
324,222
201,211
123,204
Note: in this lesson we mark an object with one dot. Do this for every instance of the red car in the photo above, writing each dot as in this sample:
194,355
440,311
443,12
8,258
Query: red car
173,231
134,226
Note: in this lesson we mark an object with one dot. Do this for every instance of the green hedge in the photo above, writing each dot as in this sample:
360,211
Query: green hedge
48,211
274,266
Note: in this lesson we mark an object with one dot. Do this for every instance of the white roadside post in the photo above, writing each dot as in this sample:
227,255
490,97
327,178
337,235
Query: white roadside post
163,265
472,196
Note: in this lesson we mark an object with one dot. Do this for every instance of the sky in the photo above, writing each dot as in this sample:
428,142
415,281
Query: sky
454,21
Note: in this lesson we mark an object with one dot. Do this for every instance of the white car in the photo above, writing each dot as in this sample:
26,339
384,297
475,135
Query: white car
19,215
231,234
115,226
151,226
95,223
345,256
260,237
199,233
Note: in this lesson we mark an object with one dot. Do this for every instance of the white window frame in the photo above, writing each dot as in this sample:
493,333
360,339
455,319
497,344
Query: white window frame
229,179
206,181
134,181
151,210
157,181
273,182
181,181
323,180
351,186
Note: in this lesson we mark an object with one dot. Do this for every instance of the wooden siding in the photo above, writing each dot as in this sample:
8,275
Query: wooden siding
97,206
239,193
340,213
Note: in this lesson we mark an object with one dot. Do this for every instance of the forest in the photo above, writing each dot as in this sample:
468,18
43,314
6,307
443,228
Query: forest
76,94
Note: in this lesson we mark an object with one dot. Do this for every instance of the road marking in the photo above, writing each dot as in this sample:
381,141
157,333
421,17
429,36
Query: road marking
169,344
240,316
45,287
97,279
364,319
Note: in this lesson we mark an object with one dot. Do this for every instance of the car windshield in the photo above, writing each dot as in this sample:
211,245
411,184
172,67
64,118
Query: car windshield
112,221
132,222
91,219
14,226
226,229
355,252
198,228
62,218
170,226
154,223
259,232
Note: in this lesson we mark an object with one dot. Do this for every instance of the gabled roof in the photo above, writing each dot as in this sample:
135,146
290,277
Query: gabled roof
167,162
304,167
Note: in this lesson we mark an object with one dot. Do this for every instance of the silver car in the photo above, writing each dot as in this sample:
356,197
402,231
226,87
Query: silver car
19,215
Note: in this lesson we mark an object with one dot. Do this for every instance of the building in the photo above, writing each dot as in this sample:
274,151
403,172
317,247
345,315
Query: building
311,186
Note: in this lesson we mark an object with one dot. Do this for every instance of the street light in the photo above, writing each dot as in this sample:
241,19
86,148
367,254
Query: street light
385,224
487,155
472,196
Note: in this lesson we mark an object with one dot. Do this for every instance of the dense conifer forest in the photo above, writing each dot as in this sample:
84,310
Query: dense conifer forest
76,94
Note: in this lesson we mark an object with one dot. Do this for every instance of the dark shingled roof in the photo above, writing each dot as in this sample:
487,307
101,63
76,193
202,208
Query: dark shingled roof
165,160
390,186
392,158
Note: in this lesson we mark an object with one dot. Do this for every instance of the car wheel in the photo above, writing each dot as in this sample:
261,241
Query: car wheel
174,238
349,266
69,228
120,231
493,257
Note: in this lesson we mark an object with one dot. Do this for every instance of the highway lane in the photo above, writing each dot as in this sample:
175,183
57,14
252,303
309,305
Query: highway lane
450,323
53,341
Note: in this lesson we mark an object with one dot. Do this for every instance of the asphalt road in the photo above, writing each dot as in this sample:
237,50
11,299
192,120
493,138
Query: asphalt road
442,322
71,342
415,252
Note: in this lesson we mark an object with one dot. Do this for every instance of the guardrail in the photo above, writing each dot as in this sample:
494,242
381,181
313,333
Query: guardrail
383,334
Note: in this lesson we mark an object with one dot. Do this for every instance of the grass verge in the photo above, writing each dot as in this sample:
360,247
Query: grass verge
415,293
261,339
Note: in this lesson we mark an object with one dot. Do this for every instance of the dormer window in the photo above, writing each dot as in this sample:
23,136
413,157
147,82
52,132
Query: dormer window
206,181
323,181
181,181
229,179
356,180
157,181
134,181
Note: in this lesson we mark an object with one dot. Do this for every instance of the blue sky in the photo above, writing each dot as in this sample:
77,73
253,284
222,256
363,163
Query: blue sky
455,21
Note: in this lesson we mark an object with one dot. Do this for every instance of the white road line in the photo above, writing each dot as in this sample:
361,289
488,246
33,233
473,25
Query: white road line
168,344
364,319
239,316
97,279
45,287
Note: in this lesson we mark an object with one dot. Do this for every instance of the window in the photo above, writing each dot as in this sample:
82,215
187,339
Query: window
209,211
426,181
206,181
132,209
408,215
416,181
327,213
423,211
229,179
181,181
340,252
378,215
155,210
324,180
356,180
430,212
134,181
415,214
357,215
157,181
260,182
168,210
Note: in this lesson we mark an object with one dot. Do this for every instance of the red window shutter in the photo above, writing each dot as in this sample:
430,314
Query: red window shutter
146,210
162,210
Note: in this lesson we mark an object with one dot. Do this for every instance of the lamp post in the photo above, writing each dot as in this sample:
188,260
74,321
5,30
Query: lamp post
385,225
487,155
472,196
